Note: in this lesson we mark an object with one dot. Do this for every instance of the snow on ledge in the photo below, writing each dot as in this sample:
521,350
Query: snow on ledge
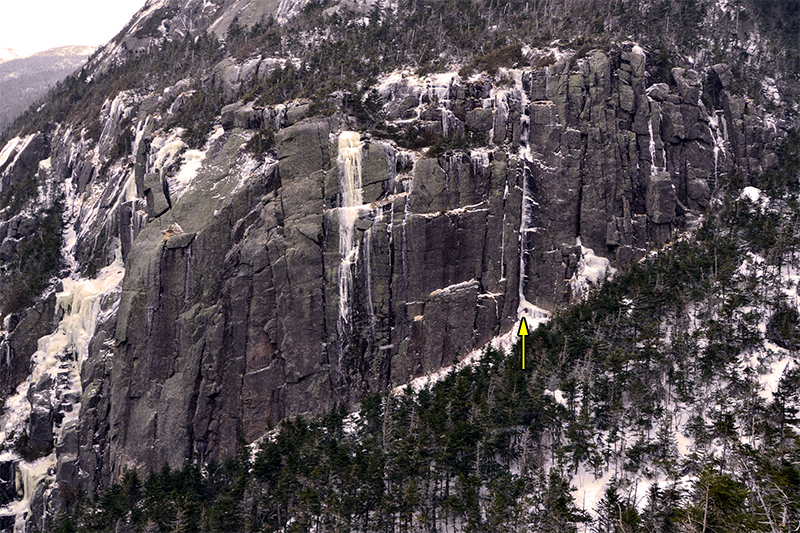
457,287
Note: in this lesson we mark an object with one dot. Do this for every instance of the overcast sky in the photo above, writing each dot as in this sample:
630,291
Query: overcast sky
30,26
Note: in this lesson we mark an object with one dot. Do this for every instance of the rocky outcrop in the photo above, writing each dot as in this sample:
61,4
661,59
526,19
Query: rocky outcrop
604,157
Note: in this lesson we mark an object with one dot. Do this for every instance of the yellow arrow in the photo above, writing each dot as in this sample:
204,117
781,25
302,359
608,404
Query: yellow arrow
523,332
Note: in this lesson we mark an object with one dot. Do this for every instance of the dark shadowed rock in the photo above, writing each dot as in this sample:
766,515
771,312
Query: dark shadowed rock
661,199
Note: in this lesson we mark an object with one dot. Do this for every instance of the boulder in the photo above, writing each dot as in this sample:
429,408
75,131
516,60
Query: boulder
297,113
228,115
658,91
247,117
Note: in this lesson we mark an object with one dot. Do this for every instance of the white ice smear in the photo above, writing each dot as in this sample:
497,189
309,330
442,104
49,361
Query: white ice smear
14,147
8,149
216,134
172,153
85,303
770,89
719,141
192,162
653,166
591,271
349,161
168,150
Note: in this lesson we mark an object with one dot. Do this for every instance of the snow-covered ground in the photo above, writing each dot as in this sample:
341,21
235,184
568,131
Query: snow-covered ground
767,361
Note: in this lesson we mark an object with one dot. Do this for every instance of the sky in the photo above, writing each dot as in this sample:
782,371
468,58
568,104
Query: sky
30,26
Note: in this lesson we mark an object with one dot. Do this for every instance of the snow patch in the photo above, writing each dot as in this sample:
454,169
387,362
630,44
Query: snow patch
351,423
402,84
288,9
754,195
589,490
769,381
557,395
475,208
465,285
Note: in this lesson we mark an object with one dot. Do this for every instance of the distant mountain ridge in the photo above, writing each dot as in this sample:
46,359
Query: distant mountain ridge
24,80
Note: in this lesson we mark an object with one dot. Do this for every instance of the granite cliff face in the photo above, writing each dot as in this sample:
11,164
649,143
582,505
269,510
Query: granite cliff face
339,262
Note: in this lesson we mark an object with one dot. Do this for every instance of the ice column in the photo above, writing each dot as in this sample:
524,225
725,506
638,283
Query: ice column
717,123
654,169
525,308
349,162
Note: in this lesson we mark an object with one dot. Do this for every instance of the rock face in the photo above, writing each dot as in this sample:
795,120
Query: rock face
343,264
338,269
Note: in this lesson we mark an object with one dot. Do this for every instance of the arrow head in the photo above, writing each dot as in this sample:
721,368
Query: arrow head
523,328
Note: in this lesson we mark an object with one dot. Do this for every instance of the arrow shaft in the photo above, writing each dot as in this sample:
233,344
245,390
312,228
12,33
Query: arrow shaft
523,332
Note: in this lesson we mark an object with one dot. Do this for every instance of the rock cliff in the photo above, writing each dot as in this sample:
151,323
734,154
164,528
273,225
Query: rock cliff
339,260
